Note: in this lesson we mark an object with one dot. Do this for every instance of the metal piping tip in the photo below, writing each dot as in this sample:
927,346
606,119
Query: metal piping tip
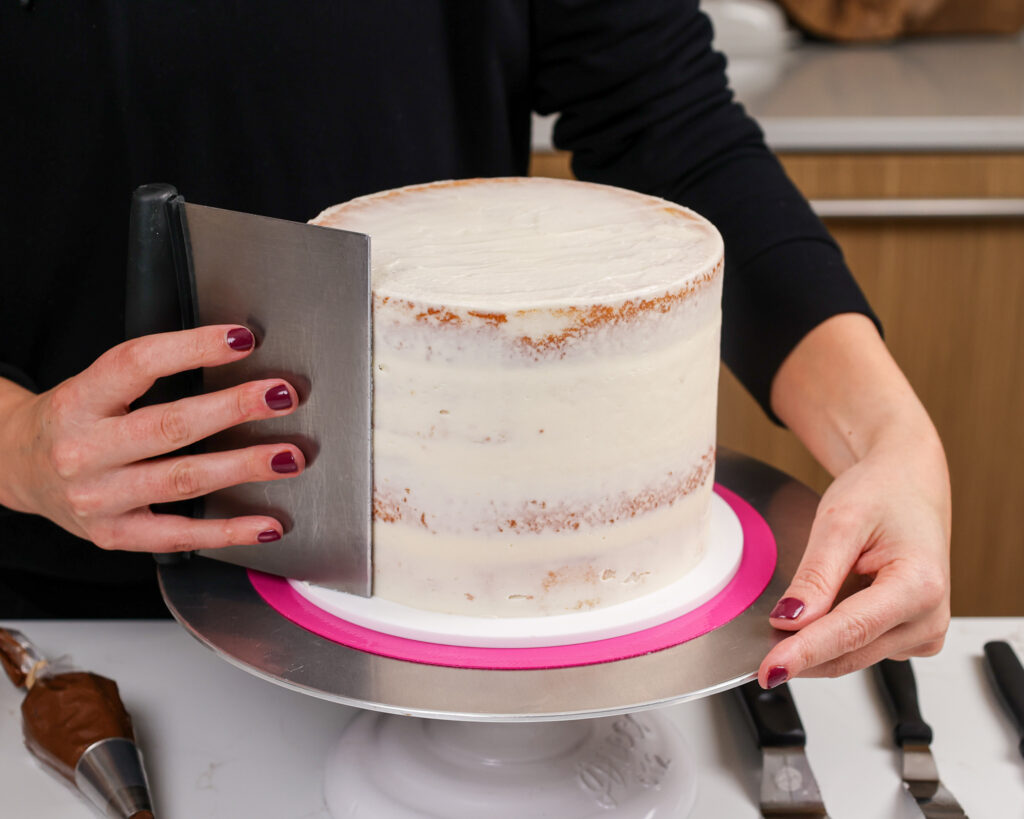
110,775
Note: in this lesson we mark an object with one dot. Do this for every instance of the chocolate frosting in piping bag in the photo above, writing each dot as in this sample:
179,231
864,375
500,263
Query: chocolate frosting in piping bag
66,712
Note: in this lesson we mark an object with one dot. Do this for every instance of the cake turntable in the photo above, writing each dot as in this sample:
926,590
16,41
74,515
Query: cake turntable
454,735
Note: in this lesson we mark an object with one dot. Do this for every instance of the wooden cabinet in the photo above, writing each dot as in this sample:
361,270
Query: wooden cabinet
949,290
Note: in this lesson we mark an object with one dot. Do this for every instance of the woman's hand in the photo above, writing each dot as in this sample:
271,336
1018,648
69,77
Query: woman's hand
77,455
885,518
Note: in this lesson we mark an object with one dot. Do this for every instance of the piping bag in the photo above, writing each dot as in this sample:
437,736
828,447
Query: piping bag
76,725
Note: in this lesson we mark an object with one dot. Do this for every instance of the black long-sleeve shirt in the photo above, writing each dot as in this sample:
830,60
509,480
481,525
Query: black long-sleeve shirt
283,109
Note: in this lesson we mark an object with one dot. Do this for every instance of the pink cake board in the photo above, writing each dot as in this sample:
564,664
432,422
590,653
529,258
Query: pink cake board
755,571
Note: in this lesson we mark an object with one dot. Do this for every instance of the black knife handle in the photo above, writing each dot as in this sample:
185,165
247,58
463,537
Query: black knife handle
900,692
158,288
1007,677
773,715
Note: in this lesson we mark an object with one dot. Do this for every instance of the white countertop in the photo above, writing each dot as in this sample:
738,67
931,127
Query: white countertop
941,94
221,743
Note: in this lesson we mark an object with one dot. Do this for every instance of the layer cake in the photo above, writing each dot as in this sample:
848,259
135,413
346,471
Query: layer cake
545,378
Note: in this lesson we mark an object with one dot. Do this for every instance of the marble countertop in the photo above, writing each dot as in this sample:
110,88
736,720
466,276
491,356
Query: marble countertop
944,94
219,742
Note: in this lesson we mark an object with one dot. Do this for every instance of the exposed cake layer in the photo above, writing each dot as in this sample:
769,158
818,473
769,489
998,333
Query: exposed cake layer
545,381
557,570
447,439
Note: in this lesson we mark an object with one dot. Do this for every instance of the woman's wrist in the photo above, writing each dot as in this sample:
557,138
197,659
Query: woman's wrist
15,442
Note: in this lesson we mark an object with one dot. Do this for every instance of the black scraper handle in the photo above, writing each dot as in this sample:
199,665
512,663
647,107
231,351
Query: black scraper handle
773,715
158,296
899,688
1007,677
158,283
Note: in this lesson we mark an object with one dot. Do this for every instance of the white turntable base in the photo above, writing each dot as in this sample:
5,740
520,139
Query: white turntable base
633,766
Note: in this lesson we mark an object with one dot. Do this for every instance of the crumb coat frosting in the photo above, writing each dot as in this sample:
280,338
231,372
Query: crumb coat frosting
545,391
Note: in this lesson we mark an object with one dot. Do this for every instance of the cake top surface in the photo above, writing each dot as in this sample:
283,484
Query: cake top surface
520,243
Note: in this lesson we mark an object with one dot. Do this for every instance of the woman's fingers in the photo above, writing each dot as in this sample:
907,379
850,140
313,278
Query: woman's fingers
144,531
157,430
125,372
832,549
883,619
93,467
854,624
179,478
892,646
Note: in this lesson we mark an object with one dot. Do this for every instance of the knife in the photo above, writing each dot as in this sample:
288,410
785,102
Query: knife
788,788
304,291
913,735
1007,676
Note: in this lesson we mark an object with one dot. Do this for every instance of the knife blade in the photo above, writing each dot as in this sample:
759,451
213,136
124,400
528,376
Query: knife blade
1007,677
788,787
914,736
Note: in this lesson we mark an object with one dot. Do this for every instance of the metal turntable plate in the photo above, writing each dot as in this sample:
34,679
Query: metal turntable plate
216,603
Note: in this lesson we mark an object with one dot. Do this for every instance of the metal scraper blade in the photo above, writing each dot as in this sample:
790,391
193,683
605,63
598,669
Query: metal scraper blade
304,291
921,779
788,787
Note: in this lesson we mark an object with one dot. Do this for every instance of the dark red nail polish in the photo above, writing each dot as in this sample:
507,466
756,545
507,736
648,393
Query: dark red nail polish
284,462
278,398
240,339
777,675
788,608
268,536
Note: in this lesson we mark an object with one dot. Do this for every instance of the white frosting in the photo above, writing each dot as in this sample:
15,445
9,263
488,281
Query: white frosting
519,243
545,386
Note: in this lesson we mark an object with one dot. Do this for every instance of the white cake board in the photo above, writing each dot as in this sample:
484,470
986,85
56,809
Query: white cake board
712,573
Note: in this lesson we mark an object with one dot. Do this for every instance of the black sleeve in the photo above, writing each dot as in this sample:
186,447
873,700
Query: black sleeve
12,373
645,105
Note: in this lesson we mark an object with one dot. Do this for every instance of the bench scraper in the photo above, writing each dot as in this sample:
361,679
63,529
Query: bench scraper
304,291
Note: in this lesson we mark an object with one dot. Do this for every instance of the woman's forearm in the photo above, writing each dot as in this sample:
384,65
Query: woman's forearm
843,395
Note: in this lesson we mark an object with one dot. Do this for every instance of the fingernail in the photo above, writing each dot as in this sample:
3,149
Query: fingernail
777,675
240,339
788,608
284,462
268,535
278,398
